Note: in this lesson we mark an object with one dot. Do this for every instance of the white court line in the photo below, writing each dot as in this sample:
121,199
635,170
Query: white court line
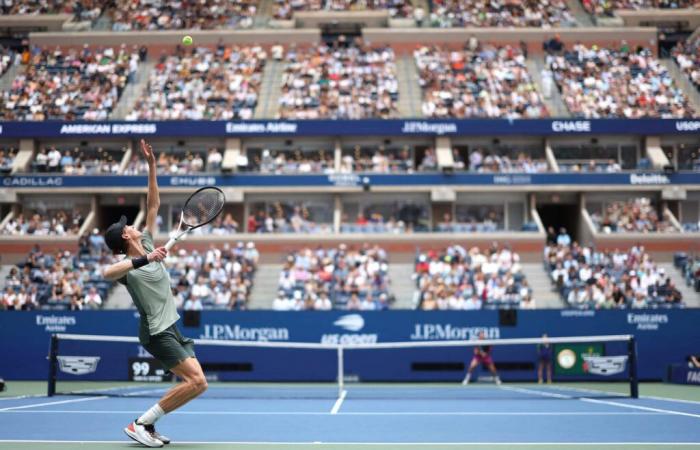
602,402
643,408
36,405
360,444
617,394
368,413
339,402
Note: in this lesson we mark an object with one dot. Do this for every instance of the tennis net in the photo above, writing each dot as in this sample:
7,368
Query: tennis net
119,366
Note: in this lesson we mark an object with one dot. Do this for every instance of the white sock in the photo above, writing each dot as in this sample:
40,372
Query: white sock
151,416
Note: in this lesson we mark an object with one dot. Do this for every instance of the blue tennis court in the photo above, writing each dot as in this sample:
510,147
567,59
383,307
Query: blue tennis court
388,416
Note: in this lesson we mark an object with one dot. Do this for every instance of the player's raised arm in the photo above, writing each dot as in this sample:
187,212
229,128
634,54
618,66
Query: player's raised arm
153,199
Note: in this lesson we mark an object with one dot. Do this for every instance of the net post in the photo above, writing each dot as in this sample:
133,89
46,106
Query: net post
341,370
632,354
53,365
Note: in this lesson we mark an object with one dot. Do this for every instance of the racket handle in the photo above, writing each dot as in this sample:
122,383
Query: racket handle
170,243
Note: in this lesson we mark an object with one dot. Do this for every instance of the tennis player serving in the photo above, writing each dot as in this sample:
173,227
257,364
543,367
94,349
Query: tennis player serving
148,283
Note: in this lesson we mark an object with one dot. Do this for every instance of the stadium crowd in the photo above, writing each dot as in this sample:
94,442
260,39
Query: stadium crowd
82,10
63,280
589,278
478,81
291,162
220,278
69,85
128,15
285,217
345,277
285,9
634,215
485,161
525,13
203,84
377,159
458,279
353,81
606,8
687,55
47,223
599,82
77,161
7,160
183,163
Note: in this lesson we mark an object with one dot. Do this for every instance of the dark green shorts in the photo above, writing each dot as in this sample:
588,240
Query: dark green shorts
170,347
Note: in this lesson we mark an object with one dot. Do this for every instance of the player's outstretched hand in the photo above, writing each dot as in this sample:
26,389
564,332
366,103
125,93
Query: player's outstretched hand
157,255
147,151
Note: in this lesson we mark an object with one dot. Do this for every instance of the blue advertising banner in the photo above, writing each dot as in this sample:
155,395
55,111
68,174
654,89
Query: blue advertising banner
372,127
682,374
420,179
664,337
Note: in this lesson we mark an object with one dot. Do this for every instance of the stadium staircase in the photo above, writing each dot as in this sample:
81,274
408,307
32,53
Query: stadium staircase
410,96
402,285
582,17
683,82
134,90
263,14
7,79
555,105
270,89
690,297
542,290
265,286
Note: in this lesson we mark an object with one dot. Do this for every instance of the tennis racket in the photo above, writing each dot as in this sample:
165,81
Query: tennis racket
201,208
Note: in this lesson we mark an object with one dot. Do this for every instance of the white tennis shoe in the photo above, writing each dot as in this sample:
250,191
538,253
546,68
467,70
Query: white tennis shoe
140,434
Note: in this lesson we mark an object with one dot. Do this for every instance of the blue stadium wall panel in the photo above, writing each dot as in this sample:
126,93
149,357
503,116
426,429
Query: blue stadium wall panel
242,180
371,127
664,337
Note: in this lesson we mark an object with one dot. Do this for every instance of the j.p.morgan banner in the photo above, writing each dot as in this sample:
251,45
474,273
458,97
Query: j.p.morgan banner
427,127
664,337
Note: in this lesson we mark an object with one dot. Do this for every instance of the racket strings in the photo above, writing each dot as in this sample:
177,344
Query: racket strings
203,207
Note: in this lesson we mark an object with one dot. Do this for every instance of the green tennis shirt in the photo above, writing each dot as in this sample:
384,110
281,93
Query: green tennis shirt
150,290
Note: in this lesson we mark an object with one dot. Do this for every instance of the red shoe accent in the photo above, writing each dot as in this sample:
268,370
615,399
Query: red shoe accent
131,427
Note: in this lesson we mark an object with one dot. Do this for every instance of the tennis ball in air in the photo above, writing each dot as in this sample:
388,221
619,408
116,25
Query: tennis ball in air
187,40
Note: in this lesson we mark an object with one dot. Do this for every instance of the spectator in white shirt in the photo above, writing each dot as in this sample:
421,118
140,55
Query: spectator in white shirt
92,299
193,304
323,303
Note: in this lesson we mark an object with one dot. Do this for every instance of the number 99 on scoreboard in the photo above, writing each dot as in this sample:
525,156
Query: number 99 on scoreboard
147,369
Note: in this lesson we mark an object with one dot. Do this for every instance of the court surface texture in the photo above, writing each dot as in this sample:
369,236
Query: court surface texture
380,416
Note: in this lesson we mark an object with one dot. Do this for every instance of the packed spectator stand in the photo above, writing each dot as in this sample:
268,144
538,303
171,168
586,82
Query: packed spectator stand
59,84
592,278
203,84
77,160
455,278
55,222
607,8
478,81
285,9
476,13
635,215
352,81
128,15
220,278
687,56
598,82
82,10
60,280
343,277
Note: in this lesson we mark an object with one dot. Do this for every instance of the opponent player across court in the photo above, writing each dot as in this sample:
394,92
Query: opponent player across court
148,283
